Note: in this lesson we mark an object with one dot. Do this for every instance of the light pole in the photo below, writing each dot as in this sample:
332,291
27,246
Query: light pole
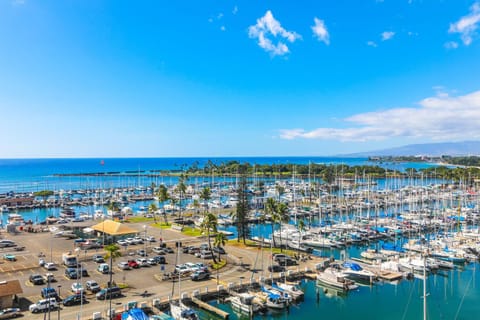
58,309
145,239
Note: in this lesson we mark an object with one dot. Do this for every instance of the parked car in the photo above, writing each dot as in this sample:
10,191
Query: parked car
98,258
10,313
49,277
50,266
168,250
158,250
74,299
123,265
133,264
49,292
77,288
276,268
142,262
103,268
186,249
71,273
43,305
108,293
36,279
160,259
142,253
152,261
200,275
182,269
122,243
92,286
286,262
206,254
150,239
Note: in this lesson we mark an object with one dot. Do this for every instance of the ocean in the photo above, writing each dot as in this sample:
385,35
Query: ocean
451,294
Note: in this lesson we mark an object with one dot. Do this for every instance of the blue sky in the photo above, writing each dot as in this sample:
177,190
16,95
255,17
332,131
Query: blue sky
226,78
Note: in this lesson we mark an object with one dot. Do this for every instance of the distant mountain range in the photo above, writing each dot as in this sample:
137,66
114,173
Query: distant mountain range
464,148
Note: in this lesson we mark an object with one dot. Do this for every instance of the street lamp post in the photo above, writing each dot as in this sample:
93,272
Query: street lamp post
145,238
58,313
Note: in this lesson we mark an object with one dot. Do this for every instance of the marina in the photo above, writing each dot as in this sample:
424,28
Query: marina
355,242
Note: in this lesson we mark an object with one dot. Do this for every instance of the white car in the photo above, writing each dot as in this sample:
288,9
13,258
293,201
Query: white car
77,288
151,239
122,242
93,286
152,261
158,250
191,266
50,266
123,265
142,262
43,305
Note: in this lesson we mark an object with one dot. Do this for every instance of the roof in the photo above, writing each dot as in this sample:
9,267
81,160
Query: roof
8,288
113,228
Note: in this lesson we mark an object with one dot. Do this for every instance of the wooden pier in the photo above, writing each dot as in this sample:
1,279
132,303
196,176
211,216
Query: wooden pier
210,308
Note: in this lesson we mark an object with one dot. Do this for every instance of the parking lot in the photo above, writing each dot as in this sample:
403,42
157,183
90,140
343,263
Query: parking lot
49,248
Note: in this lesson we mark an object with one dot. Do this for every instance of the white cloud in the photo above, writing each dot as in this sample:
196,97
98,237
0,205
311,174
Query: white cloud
467,25
451,45
18,2
223,28
371,44
219,16
387,35
235,10
268,27
320,31
442,117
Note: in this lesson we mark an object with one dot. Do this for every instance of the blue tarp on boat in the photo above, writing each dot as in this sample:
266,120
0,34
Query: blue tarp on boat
134,314
352,265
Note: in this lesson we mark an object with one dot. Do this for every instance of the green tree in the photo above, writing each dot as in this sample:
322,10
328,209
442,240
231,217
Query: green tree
163,196
270,211
281,216
112,252
219,241
242,206
152,208
210,224
206,195
181,189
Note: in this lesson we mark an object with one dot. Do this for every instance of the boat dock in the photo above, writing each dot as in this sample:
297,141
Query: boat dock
199,303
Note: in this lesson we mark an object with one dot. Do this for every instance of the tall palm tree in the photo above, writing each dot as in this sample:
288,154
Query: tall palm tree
301,229
219,241
181,189
206,195
112,252
163,196
281,210
152,208
209,224
270,210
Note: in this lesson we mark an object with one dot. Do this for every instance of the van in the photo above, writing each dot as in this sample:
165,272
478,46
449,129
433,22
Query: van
103,268
108,293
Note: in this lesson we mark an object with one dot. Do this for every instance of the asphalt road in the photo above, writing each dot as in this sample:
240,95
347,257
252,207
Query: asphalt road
243,264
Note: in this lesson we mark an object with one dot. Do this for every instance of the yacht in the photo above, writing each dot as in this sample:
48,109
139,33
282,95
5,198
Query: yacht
179,311
333,278
244,302
354,271
15,219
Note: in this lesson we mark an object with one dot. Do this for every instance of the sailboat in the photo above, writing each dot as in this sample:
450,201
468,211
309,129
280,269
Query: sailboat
178,310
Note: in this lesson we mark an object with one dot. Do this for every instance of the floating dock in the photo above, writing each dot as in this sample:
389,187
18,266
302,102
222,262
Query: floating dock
210,308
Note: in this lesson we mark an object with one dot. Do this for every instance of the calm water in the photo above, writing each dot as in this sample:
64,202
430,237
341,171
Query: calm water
38,174
452,295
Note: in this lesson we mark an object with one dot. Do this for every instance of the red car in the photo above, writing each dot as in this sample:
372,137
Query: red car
133,264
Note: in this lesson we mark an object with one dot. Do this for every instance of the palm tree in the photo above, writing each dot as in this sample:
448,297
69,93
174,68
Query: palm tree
206,195
219,241
210,224
281,210
181,189
152,208
301,228
113,252
163,196
270,210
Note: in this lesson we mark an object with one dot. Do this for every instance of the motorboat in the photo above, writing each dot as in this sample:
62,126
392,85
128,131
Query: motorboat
333,278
